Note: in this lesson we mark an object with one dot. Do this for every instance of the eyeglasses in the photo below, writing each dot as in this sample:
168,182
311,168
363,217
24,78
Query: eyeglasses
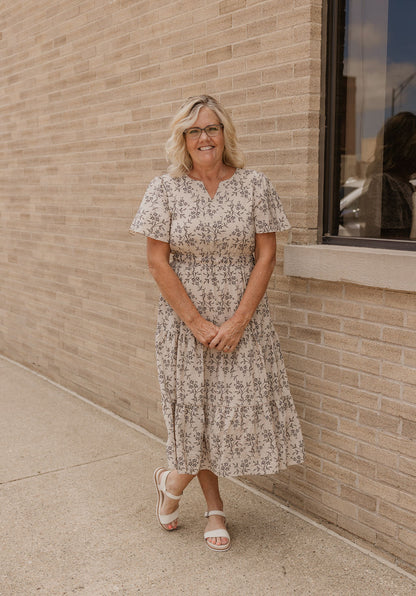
211,131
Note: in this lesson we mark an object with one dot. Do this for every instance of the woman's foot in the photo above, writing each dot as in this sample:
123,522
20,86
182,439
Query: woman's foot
216,534
168,497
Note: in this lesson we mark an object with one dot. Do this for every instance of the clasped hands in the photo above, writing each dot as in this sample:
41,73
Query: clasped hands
224,338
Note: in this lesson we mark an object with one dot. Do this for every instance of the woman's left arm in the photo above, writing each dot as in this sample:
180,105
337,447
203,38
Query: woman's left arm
231,331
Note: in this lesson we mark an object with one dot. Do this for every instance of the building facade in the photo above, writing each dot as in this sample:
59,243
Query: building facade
87,92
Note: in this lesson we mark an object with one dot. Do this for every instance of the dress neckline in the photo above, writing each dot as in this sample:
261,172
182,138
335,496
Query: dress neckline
219,183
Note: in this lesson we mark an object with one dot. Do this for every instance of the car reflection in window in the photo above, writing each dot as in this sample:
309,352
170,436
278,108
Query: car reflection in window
350,223
351,217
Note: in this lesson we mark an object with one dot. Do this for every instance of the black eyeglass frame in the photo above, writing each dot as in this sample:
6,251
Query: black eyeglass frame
201,130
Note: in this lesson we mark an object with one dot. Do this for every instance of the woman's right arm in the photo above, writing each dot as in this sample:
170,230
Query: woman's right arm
175,294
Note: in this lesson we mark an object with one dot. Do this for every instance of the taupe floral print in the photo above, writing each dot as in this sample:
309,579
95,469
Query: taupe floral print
232,413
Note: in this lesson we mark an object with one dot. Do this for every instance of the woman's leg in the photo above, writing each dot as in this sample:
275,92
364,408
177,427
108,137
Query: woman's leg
209,484
175,484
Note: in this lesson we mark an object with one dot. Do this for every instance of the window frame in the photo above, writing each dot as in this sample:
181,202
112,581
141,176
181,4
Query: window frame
334,57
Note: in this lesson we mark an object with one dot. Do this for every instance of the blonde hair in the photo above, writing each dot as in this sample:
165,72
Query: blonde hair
176,152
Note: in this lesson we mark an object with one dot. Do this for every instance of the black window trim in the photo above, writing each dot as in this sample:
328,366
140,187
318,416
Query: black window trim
336,20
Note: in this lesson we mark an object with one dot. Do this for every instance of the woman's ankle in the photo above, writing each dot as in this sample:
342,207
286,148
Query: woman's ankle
216,505
176,483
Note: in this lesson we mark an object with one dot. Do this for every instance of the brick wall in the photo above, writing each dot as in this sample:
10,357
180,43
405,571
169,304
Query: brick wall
351,355
87,91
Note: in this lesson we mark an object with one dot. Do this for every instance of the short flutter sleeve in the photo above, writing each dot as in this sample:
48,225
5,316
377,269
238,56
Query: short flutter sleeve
153,216
268,211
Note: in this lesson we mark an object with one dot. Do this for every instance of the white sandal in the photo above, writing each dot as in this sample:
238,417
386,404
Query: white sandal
220,533
159,476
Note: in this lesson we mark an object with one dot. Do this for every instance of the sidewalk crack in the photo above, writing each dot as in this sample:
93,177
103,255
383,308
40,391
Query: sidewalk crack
69,467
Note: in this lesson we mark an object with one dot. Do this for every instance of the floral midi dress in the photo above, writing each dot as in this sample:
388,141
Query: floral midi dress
229,413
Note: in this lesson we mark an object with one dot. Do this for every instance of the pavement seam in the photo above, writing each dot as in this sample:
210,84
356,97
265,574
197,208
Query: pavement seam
251,489
65,468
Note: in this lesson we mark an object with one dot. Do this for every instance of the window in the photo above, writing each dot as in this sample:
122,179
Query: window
370,151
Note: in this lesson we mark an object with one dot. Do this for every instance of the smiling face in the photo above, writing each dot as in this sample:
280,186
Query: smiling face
206,152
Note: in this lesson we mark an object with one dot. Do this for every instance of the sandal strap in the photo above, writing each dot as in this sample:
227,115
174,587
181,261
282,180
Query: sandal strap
209,513
162,485
220,533
168,518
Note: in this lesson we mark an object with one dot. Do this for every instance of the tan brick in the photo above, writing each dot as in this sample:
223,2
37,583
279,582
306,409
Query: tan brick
314,445
398,373
409,358
219,55
355,293
276,73
295,377
291,345
398,515
402,551
322,482
340,505
345,476
323,354
403,482
302,364
226,6
297,317
339,407
304,398
407,537
409,394
341,442
376,454
401,300
410,319
356,528
261,27
379,421
381,351
344,309
322,511
321,419
380,386
359,498
341,341
378,523
409,429
383,315
360,363
321,386
352,429
306,334
305,302
342,376
360,397
324,322
307,489
309,430
360,466
362,329
401,337
407,466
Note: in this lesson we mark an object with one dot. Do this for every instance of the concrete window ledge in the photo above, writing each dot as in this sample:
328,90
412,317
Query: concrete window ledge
378,268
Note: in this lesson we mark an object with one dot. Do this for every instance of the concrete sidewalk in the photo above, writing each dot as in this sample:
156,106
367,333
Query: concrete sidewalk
77,507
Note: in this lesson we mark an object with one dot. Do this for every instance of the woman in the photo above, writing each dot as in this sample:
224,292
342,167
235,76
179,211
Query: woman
388,203
210,227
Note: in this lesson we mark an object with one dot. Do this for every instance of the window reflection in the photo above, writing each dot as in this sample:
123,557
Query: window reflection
387,203
377,121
